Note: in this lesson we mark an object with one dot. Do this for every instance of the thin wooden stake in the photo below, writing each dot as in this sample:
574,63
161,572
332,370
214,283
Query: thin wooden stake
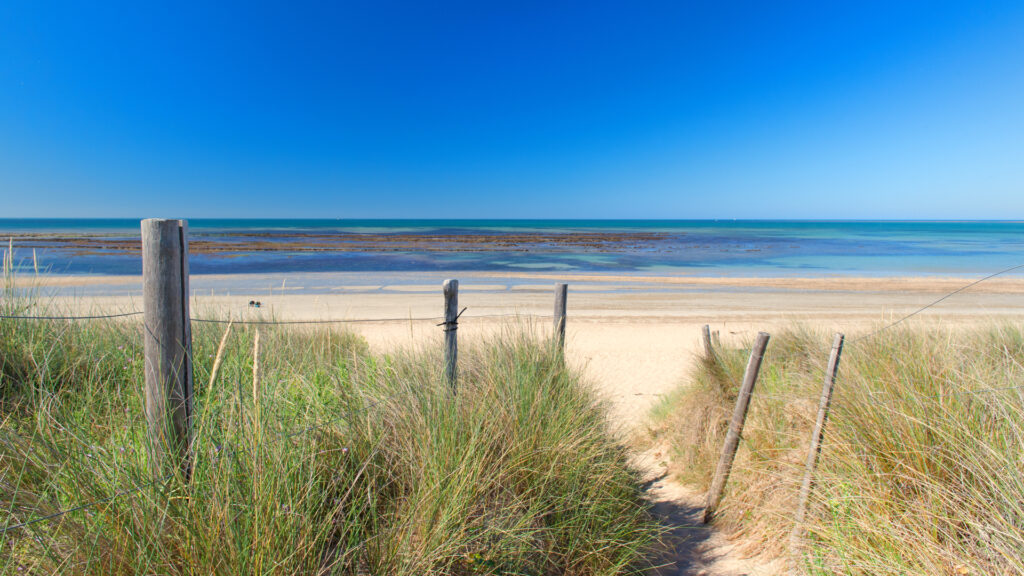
167,345
817,438
561,296
709,351
739,416
451,325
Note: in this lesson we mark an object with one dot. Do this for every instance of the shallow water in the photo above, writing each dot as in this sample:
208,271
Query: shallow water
657,247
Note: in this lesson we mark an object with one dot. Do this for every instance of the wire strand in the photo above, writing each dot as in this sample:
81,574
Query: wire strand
875,395
110,498
338,321
272,322
926,307
95,317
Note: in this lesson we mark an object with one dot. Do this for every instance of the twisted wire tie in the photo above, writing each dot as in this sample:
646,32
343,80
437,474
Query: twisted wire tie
453,324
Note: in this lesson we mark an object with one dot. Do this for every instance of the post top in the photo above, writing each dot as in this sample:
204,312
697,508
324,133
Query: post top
159,221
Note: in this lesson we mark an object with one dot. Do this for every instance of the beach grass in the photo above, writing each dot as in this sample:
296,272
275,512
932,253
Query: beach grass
336,461
922,470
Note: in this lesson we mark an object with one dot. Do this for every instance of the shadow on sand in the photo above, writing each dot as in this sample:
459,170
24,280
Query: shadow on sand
687,548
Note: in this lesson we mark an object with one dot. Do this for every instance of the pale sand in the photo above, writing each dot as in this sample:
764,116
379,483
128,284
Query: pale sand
635,338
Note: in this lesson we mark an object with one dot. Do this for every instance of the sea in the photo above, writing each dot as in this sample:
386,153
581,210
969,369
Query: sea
758,248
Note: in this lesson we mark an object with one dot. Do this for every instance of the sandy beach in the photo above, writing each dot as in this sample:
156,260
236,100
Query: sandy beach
633,336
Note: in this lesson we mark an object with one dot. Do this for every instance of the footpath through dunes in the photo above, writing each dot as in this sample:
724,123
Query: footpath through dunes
635,341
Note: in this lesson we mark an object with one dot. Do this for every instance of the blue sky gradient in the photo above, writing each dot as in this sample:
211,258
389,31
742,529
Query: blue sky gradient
387,109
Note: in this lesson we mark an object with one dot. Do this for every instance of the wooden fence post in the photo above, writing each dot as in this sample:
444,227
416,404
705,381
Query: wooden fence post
816,438
167,343
709,351
739,416
561,295
451,325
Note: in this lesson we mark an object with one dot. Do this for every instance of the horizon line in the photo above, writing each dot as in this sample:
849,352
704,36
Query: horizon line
546,219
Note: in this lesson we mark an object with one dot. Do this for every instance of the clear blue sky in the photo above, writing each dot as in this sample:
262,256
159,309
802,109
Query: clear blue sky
517,110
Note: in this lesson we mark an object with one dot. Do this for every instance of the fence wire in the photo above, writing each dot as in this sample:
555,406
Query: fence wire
936,302
903,395
279,322
92,317
327,321
61,513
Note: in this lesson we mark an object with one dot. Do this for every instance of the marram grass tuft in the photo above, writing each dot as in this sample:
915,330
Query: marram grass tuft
341,462
922,469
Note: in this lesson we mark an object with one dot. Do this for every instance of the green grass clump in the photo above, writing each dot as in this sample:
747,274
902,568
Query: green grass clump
340,461
921,473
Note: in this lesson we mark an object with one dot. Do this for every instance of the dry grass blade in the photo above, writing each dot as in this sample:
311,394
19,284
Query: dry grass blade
256,369
220,356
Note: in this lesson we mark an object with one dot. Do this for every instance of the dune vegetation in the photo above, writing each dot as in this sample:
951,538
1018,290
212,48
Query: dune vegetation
339,460
922,470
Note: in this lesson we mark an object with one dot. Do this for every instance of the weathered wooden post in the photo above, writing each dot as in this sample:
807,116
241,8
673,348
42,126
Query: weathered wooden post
739,416
451,325
561,296
167,344
816,438
709,351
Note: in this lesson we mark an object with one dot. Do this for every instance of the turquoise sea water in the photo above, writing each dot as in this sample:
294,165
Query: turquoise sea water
658,247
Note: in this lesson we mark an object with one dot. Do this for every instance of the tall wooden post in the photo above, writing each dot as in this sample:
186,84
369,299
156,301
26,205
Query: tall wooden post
451,325
167,344
561,296
816,438
739,417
